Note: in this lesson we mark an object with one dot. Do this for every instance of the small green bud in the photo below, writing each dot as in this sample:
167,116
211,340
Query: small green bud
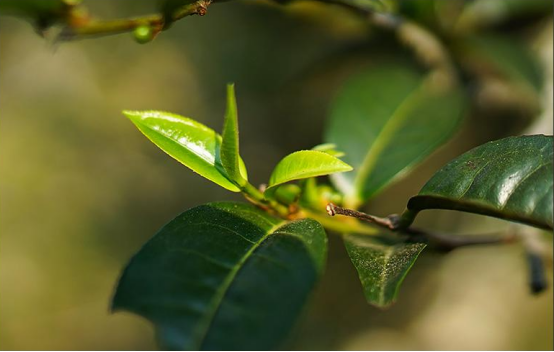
328,194
287,194
143,34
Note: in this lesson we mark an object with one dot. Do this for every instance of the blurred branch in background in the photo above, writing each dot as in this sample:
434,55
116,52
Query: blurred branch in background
58,270
78,23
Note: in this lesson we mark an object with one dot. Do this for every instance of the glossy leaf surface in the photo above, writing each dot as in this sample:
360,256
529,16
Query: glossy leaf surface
382,264
305,164
224,276
189,142
230,157
386,120
510,178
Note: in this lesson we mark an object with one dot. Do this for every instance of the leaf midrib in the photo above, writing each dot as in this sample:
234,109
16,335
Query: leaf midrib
206,322
383,276
372,156
231,186
338,166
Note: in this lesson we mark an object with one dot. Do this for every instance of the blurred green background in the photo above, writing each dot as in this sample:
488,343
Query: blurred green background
82,190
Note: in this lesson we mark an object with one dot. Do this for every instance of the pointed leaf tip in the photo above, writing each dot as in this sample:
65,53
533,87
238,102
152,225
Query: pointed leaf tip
509,179
382,263
399,120
230,156
224,276
191,143
305,164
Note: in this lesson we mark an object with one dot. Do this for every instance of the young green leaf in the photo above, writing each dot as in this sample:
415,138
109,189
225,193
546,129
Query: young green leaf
189,142
230,157
386,121
304,164
511,179
382,263
224,276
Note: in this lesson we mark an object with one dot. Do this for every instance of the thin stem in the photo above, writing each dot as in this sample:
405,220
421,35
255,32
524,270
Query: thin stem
340,226
442,241
427,48
422,42
255,196
390,222
156,21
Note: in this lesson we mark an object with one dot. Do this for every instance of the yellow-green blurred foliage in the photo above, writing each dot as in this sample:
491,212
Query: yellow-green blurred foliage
81,189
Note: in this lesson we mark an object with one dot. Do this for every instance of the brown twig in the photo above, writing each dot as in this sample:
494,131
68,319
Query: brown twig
390,222
157,22
440,241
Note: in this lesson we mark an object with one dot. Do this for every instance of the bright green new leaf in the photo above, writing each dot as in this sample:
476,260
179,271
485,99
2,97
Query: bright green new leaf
224,276
304,164
189,142
511,179
386,120
230,157
382,263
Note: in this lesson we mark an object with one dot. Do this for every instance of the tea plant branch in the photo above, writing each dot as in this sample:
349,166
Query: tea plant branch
341,225
156,22
78,25
441,241
531,241
390,222
425,45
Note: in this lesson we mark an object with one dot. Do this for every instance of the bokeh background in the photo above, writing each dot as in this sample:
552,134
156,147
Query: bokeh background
81,189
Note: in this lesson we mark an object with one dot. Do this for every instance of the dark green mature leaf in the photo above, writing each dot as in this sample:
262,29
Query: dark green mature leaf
382,264
511,178
230,157
304,164
508,57
387,120
189,142
224,276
